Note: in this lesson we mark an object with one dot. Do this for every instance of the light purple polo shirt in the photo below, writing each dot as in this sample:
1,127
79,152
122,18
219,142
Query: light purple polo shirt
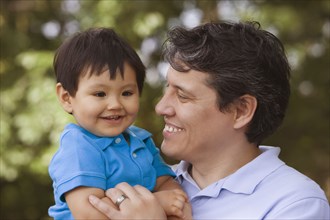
265,188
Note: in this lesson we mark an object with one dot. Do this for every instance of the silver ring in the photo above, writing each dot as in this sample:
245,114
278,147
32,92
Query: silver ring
120,199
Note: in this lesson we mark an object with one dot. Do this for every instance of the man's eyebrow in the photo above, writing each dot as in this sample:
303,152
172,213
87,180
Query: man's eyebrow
174,86
183,89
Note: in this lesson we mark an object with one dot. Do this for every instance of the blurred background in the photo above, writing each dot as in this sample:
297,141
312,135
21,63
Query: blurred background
31,118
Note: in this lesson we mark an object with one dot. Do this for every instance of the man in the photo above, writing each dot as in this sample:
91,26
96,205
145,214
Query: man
228,89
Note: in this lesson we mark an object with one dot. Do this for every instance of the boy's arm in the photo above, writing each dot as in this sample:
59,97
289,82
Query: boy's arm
77,200
166,183
172,198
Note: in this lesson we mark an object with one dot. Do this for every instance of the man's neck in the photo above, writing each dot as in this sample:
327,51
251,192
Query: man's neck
222,165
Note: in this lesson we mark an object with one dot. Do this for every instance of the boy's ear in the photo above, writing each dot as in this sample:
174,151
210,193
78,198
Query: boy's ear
244,109
64,98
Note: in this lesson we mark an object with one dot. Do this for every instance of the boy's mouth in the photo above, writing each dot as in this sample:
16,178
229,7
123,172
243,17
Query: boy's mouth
112,117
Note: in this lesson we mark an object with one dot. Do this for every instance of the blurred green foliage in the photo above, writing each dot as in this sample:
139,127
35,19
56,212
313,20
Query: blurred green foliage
31,118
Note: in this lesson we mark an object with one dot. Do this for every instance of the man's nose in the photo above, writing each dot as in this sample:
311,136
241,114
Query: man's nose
164,106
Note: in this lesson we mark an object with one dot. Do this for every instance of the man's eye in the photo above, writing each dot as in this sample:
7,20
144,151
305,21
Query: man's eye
100,94
127,93
182,97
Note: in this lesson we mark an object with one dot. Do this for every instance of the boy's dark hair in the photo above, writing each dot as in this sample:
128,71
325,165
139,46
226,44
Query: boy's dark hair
95,50
240,58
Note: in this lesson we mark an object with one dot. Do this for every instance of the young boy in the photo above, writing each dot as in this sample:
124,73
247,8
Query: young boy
99,81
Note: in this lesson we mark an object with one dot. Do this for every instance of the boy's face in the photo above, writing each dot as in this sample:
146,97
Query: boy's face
106,107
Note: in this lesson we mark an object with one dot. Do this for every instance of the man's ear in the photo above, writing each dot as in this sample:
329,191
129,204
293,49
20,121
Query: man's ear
64,98
245,108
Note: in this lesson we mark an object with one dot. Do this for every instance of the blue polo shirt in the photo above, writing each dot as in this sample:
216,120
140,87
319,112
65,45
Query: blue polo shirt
265,188
84,159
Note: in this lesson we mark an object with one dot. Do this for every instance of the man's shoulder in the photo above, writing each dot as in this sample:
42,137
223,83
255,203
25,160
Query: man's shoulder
288,181
292,193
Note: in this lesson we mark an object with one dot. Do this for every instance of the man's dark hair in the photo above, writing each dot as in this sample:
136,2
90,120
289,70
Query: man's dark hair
240,59
95,50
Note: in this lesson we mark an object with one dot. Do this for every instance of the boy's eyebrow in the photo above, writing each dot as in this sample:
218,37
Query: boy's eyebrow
99,84
131,85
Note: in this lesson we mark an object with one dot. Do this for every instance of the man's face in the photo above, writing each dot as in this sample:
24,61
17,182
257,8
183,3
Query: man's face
194,126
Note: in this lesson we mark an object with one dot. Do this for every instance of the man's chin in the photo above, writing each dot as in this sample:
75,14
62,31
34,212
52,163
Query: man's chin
169,151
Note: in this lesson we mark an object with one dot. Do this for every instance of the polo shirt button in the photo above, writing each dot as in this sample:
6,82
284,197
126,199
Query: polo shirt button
118,140
134,155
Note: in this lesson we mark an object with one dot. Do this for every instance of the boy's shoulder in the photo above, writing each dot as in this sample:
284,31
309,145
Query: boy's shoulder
73,128
77,137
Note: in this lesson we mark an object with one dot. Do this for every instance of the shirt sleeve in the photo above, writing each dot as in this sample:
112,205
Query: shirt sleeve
77,163
305,209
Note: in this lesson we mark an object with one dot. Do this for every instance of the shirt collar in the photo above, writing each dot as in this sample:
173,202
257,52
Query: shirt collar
245,179
101,142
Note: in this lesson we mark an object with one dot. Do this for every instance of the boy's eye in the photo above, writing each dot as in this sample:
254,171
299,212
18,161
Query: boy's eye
100,94
127,93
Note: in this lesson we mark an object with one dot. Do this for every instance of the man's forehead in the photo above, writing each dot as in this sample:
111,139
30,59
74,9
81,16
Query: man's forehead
186,80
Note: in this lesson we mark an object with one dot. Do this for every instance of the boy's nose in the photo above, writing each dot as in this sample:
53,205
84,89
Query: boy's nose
114,103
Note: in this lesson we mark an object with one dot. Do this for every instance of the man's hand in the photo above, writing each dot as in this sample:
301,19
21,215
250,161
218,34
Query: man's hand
139,203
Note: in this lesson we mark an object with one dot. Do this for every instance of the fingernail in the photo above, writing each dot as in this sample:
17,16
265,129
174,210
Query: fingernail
91,199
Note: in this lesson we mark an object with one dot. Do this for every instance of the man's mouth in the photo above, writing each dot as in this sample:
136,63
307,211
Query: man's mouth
172,129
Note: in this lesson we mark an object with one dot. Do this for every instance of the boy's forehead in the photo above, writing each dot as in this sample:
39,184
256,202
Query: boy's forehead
96,71
91,70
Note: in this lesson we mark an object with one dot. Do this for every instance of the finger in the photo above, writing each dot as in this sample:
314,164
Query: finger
187,212
143,191
117,196
102,206
181,198
181,193
176,212
128,190
113,193
178,203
